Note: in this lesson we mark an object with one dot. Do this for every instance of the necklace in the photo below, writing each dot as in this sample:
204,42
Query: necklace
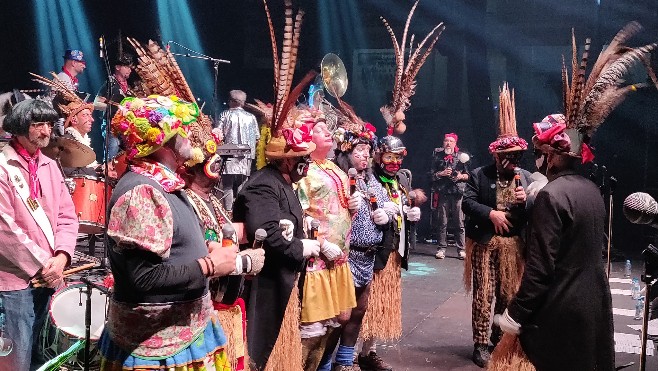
338,182
210,224
502,184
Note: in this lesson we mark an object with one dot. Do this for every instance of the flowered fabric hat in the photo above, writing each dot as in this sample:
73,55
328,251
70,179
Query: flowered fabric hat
296,134
146,124
204,144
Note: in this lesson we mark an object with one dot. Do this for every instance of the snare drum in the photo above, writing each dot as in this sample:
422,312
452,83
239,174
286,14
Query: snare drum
89,206
66,323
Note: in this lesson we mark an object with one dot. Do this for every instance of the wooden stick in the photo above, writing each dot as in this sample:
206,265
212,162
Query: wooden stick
39,282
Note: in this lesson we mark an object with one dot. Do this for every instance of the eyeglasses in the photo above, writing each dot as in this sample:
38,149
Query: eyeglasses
513,156
42,124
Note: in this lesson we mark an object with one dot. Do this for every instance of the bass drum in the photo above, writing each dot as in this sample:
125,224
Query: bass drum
66,325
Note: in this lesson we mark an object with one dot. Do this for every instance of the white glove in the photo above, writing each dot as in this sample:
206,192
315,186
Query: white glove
354,203
507,323
380,217
287,229
255,260
413,213
391,208
330,250
311,248
307,223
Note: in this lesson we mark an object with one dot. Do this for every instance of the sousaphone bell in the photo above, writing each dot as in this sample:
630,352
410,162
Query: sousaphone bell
334,75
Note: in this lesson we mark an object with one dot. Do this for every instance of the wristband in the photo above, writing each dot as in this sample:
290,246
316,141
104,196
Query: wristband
212,264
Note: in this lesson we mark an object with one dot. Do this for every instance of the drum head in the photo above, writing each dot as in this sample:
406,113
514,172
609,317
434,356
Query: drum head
67,311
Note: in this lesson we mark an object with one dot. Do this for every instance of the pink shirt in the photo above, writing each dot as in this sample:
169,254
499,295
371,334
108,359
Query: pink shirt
24,248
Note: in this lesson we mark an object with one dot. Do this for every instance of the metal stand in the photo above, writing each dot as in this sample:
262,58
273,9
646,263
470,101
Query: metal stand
649,253
106,156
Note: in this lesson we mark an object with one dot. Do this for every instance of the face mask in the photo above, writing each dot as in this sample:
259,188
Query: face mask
391,163
300,169
541,161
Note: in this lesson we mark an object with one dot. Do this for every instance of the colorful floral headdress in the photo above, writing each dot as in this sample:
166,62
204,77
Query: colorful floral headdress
589,101
161,75
352,130
145,124
405,75
67,101
508,140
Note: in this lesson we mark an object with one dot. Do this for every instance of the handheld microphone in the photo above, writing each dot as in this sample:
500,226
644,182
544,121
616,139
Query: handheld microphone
603,176
352,173
227,235
517,177
101,47
260,236
641,208
411,199
373,199
315,224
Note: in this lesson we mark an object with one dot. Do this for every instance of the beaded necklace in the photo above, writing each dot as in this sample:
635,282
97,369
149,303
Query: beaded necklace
211,223
502,184
338,182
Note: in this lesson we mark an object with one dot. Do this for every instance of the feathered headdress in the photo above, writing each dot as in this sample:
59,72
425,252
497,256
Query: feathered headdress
289,135
405,74
160,74
508,140
589,101
352,130
67,102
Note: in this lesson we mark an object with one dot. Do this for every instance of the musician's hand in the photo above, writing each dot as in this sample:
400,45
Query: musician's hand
52,271
500,222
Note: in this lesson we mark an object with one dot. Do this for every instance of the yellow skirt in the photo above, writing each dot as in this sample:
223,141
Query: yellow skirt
327,293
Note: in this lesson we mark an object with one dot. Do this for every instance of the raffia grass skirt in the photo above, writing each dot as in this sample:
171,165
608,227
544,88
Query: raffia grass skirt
508,355
287,351
236,349
383,318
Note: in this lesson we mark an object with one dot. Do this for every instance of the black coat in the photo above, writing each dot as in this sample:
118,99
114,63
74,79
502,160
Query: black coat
264,200
564,304
442,184
480,198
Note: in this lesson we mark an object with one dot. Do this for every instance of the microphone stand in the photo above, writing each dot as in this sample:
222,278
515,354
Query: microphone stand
106,154
215,61
649,253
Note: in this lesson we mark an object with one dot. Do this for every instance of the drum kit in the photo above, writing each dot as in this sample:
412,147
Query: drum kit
78,310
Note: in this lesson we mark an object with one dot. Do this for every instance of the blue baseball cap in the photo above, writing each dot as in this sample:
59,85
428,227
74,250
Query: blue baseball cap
74,55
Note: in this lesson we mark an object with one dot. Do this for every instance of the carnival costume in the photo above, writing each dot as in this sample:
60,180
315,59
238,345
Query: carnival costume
383,319
494,262
267,198
161,313
569,210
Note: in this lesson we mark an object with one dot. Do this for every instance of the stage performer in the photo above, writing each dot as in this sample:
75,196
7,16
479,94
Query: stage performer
564,304
355,141
201,179
449,174
160,315
74,65
39,229
496,205
237,126
328,291
383,319
263,202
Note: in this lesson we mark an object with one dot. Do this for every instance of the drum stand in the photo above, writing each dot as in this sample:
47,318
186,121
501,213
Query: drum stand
88,291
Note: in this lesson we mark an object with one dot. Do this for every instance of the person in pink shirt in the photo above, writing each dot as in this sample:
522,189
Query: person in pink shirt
38,229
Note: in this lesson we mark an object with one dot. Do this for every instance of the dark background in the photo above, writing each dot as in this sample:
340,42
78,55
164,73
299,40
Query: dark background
485,43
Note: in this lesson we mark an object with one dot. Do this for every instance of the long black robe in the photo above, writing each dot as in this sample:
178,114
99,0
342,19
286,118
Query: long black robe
564,304
264,200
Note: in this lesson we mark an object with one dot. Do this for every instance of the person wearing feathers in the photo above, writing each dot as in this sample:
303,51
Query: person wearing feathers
383,321
266,199
495,201
200,179
563,306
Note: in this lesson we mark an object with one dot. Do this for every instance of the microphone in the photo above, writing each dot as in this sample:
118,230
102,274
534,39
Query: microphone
411,199
315,224
373,199
227,235
352,174
641,208
101,47
260,236
603,176
517,177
